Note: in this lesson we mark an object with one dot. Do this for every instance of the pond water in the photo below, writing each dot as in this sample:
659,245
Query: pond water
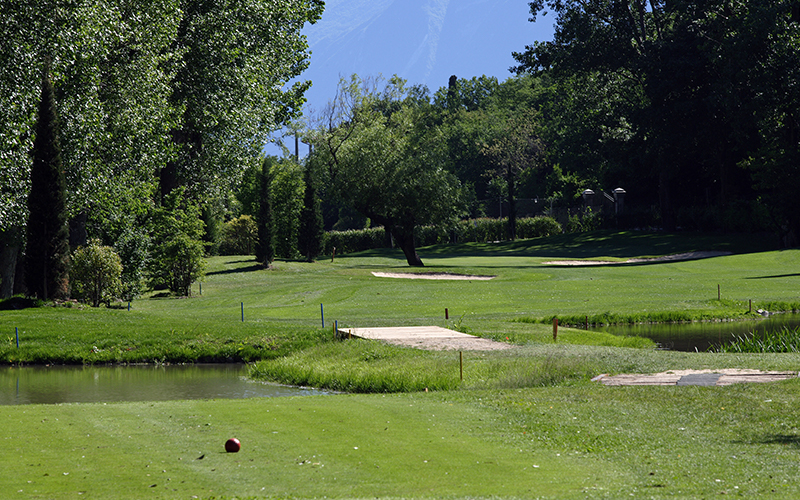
701,336
91,384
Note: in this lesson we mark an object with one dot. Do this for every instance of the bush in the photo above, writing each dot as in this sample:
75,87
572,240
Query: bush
239,236
181,263
133,248
177,256
95,274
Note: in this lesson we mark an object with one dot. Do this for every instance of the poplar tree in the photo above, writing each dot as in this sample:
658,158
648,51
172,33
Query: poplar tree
47,253
309,240
265,247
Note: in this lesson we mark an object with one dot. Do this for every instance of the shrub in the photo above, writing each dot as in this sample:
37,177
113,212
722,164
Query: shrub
239,236
177,256
95,273
133,248
181,261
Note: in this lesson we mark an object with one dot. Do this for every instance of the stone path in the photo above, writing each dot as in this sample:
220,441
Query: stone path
434,338
695,377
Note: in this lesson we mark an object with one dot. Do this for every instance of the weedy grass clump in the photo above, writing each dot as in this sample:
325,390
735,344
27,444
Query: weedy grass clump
773,341
362,366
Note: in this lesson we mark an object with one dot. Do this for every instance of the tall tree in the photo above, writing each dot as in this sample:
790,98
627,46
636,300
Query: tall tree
687,90
265,246
309,237
383,154
237,58
47,254
516,149
110,69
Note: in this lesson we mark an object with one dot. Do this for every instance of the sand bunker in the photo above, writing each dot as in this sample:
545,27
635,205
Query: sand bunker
666,258
432,276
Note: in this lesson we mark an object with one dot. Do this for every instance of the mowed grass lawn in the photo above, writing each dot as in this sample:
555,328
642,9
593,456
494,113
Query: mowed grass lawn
282,305
581,441
526,423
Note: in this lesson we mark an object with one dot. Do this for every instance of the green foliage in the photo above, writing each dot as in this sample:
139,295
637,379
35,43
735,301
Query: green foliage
265,246
311,232
382,153
286,191
95,274
133,247
47,251
637,95
476,230
237,89
110,65
239,236
181,263
177,257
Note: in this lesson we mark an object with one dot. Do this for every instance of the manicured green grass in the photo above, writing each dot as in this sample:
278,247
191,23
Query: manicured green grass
523,423
584,440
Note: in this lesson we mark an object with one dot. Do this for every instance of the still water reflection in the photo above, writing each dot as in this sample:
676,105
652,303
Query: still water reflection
90,384
702,335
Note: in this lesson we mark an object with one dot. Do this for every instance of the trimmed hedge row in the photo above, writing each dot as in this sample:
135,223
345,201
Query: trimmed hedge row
475,230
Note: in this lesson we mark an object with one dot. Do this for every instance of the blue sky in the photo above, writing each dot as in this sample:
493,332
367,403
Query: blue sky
423,41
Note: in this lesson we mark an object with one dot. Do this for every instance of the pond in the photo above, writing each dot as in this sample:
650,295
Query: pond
92,384
701,336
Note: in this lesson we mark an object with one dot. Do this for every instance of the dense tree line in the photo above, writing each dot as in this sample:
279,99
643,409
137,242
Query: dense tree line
164,107
152,96
695,103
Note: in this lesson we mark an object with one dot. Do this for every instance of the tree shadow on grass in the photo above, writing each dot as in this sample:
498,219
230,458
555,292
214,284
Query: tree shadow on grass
253,267
792,440
793,275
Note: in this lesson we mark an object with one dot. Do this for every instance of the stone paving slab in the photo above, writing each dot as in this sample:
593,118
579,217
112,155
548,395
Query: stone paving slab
426,337
695,377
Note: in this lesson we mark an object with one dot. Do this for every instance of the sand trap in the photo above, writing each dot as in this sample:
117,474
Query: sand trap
666,258
432,276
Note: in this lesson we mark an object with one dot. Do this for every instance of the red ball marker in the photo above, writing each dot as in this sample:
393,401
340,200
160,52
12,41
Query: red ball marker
233,445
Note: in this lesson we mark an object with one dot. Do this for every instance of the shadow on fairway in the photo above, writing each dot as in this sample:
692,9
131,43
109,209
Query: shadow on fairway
782,439
621,244
794,275
237,270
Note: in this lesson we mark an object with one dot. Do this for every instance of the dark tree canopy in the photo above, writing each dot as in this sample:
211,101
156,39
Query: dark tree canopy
679,95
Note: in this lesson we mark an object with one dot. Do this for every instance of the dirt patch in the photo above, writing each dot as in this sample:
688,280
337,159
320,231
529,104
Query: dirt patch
432,276
665,258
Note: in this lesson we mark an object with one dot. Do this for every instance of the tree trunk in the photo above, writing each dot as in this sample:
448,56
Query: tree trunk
77,230
512,206
404,238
